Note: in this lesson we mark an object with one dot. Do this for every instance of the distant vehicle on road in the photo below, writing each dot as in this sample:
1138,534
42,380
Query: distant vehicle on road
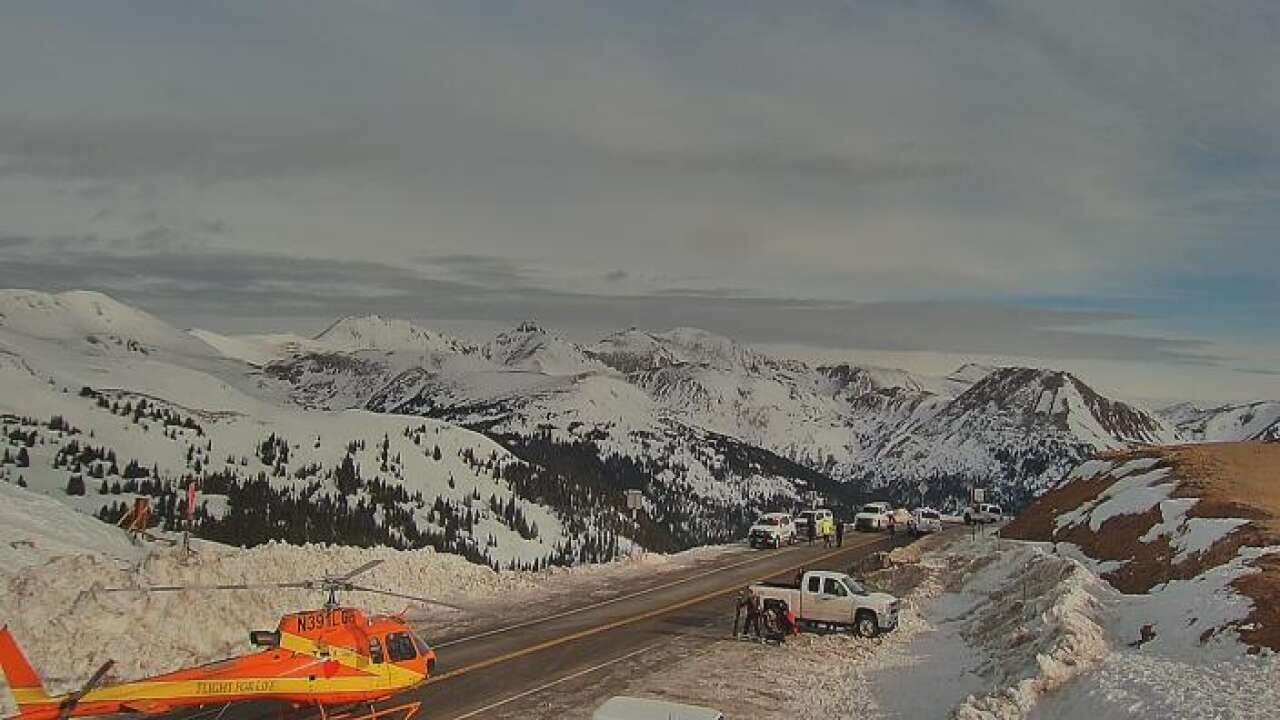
925,520
873,516
772,530
825,523
982,513
833,598
634,708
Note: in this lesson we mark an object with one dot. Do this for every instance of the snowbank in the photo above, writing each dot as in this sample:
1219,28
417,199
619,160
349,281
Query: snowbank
50,595
997,630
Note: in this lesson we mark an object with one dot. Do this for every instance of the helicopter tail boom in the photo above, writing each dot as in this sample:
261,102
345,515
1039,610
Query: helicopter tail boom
25,684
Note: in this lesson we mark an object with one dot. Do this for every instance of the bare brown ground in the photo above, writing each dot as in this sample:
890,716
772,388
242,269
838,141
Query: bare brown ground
1231,480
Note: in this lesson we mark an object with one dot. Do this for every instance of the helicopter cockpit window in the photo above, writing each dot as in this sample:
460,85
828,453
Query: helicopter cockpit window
375,650
423,648
400,647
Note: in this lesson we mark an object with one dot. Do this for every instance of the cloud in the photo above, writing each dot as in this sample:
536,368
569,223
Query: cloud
831,161
243,287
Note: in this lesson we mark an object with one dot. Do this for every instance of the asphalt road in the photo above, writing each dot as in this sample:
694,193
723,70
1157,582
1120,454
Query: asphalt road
503,667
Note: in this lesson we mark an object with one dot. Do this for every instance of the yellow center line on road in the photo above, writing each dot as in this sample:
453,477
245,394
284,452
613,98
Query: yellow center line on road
647,615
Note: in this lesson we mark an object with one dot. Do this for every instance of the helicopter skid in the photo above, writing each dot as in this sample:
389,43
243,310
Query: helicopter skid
400,712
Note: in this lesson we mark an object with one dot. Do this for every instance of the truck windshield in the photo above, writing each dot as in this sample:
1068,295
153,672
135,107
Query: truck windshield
770,520
853,586
871,508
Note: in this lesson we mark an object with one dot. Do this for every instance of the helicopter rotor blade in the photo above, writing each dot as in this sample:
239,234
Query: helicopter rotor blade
359,571
427,601
69,704
180,588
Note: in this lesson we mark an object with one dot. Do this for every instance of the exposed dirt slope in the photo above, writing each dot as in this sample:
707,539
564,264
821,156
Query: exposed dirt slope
1174,513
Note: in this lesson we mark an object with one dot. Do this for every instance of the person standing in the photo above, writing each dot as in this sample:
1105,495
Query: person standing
827,532
839,533
811,529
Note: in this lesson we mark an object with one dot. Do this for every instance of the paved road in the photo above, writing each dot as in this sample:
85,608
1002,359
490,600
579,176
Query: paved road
502,668
484,673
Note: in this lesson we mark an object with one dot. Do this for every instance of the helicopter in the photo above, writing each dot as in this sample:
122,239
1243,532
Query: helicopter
332,659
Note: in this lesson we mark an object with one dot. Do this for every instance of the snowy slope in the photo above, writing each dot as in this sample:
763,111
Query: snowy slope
66,407
84,318
374,332
530,347
1227,423
35,530
1017,431
1168,518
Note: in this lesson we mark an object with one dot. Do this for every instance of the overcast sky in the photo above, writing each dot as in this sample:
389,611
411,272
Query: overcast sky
1085,184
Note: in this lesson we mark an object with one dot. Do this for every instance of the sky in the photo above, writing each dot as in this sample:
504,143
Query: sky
1091,185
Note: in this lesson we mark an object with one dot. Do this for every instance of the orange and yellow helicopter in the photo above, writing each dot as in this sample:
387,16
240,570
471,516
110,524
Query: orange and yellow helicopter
332,659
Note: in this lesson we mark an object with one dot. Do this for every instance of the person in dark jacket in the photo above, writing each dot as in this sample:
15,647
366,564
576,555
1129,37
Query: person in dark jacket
839,534
812,529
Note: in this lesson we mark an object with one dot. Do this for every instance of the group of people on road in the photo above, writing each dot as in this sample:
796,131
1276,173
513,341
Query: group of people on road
829,529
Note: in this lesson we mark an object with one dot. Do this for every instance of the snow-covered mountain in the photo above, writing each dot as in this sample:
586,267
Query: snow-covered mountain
92,319
529,347
1226,423
374,332
1017,430
864,429
710,429
95,423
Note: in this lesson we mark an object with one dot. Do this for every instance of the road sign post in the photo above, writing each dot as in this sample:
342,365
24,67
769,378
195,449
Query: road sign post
635,501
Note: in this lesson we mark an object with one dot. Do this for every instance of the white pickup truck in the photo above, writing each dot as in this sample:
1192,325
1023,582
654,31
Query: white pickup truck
833,598
982,513
772,530
873,516
925,520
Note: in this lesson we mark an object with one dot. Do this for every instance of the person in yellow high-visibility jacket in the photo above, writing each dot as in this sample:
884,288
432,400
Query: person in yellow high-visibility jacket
828,529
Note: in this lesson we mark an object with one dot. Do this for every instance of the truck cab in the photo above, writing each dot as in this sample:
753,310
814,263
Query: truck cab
873,516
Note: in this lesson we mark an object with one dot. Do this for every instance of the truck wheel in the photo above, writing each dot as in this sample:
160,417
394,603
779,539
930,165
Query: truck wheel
866,624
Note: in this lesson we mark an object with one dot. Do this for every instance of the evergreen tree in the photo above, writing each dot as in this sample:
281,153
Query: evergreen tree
75,485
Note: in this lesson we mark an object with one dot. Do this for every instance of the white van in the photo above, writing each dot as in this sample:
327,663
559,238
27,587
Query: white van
633,708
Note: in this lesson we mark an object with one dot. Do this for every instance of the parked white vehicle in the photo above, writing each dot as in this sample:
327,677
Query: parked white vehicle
982,513
634,708
925,520
821,517
833,598
873,516
772,530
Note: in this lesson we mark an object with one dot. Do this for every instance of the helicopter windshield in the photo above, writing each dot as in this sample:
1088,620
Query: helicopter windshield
422,647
